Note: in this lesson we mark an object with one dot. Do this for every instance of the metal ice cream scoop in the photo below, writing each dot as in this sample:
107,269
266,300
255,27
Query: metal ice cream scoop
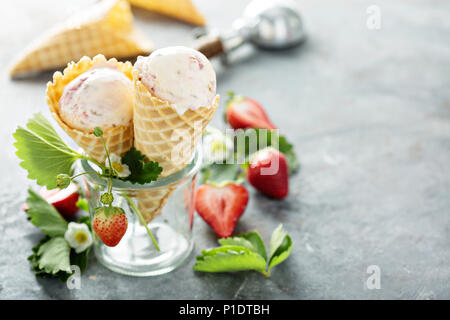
267,24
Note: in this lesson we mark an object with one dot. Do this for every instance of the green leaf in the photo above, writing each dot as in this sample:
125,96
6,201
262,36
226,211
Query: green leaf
80,259
142,171
288,150
86,220
280,247
255,239
43,152
251,240
292,161
82,204
237,241
44,216
53,256
246,252
255,140
221,174
229,259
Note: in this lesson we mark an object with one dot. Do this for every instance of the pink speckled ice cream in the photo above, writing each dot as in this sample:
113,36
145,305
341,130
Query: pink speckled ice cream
102,96
180,75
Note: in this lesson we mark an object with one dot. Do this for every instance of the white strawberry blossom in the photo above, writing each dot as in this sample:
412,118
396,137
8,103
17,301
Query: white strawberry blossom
217,147
78,236
121,169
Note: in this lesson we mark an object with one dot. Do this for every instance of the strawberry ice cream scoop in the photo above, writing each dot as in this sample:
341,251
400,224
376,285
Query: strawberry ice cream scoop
102,96
182,76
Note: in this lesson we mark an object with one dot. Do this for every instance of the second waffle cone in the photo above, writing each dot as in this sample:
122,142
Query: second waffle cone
167,137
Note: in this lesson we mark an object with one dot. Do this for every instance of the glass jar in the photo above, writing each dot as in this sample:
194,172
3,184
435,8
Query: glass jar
136,254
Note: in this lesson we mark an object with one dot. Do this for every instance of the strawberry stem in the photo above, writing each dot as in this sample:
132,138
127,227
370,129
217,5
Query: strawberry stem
141,219
265,273
82,156
107,154
86,172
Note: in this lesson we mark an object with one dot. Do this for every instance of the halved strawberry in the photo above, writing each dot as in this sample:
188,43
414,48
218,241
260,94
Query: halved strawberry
110,224
64,200
244,112
221,207
269,173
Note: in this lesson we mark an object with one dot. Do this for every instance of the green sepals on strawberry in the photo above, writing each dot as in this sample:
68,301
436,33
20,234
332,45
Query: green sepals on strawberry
244,112
63,180
110,223
221,207
246,252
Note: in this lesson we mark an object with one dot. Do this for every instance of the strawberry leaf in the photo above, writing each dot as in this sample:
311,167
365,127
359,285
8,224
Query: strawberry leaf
43,152
252,140
246,252
280,247
51,256
142,171
229,259
288,150
82,204
237,241
255,239
219,174
44,216
251,240
80,259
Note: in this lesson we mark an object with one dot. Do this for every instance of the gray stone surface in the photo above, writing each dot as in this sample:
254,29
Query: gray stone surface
369,114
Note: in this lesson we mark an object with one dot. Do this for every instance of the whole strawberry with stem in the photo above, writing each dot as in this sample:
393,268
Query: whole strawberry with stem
110,223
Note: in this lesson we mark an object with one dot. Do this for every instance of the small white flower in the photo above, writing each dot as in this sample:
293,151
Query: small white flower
121,169
78,236
217,147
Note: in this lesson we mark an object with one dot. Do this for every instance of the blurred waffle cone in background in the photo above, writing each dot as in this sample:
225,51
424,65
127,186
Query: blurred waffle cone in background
180,9
105,28
167,137
118,139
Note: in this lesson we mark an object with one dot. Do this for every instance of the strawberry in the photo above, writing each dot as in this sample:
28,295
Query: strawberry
243,112
64,200
221,207
110,224
269,173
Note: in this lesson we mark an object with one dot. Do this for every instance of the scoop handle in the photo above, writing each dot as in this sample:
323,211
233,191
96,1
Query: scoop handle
210,46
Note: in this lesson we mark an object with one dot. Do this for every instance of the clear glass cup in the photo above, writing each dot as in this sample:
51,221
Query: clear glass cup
136,254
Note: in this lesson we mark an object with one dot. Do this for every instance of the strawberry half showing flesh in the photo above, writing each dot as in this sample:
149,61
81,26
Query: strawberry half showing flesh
110,224
221,207
267,176
243,112
64,200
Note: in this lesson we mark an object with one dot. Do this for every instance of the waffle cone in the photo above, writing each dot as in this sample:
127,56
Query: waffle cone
107,28
118,139
180,9
167,137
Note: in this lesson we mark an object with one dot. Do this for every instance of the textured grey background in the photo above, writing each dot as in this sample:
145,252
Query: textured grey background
368,112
